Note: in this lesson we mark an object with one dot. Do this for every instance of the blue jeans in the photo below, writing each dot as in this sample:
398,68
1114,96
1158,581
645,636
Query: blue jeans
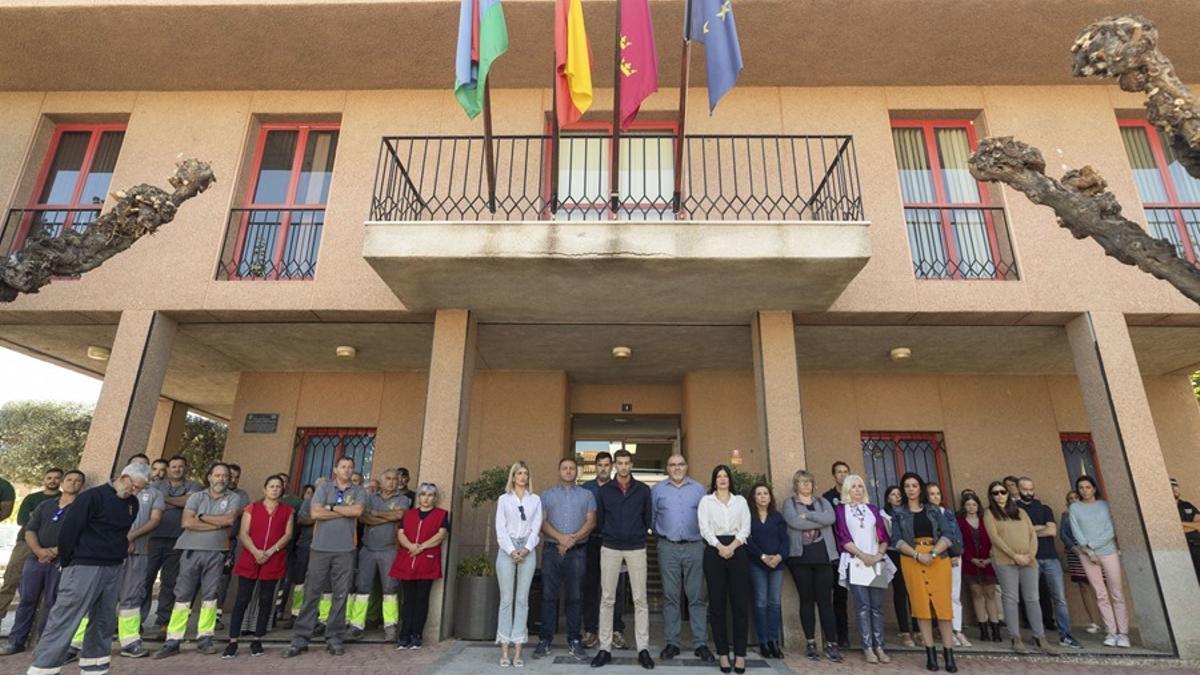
39,586
514,580
768,589
1052,572
566,573
868,603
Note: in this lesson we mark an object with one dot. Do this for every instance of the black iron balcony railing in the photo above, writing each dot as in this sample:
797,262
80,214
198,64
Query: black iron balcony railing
955,242
22,225
271,243
785,178
1180,226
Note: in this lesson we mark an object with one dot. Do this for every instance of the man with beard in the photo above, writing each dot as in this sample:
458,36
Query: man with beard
207,519
383,512
133,575
162,554
1049,567
20,551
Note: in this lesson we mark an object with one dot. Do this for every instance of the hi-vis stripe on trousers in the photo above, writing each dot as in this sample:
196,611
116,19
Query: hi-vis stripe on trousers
197,569
129,603
83,591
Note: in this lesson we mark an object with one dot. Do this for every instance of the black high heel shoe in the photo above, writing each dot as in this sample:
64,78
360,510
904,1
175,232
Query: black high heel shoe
742,669
724,669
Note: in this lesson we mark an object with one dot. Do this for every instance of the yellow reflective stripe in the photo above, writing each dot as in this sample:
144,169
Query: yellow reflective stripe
177,626
323,607
391,610
357,606
208,619
77,638
129,626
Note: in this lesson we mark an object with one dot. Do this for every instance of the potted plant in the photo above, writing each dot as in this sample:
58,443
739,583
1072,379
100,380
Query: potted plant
478,596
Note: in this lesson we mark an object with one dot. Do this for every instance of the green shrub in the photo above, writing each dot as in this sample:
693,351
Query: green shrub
488,487
476,566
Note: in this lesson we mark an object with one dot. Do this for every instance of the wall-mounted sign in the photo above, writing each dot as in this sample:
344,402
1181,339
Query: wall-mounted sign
261,423
626,407
736,459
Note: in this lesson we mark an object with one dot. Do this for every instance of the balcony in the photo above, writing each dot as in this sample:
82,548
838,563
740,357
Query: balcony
1180,226
271,244
752,222
960,243
22,225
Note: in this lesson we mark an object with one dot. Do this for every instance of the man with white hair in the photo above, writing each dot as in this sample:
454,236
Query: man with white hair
133,579
381,516
92,546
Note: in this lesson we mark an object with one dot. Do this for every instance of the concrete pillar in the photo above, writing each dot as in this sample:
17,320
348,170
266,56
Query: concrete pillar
129,396
781,429
444,442
1153,550
166,434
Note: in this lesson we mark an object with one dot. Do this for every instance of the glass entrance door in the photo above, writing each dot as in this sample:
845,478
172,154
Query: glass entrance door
651,439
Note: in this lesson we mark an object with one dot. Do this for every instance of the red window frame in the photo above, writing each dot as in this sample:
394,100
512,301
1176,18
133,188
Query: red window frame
928,127
1084,437
249,205
85,169
936,439
305,433
606,130
1173,202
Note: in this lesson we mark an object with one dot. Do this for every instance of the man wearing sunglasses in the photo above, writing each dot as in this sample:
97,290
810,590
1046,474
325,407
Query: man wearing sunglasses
336,507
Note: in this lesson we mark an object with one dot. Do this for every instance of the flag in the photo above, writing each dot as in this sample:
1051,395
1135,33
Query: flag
572,62
639,58
482,38
713,26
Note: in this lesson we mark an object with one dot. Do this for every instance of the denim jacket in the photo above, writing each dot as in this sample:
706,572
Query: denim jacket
943,526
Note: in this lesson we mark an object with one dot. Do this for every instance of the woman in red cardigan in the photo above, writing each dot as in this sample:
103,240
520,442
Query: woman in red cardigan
419,561
264,536
977,567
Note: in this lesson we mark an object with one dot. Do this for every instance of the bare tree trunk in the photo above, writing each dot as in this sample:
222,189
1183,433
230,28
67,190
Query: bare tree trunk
139,211
1085,207
1126,47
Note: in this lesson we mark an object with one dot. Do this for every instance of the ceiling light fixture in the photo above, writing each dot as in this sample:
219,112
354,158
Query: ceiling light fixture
346,352
900,354
98,353
622,352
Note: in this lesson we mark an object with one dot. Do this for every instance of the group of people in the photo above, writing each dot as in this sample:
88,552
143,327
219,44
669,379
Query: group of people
89,559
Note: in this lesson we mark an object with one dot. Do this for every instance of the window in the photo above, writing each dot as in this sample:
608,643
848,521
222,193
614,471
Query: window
887,455
318,450
1170,197
1080,456
645,184
73,183
953,232
277,235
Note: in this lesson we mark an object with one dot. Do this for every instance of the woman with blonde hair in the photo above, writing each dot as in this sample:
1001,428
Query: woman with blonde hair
863,541
518,524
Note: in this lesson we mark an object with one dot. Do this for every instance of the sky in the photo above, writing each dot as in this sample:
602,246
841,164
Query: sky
25,378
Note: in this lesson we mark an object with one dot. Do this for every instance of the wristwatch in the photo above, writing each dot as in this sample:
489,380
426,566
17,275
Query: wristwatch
329,507
200,517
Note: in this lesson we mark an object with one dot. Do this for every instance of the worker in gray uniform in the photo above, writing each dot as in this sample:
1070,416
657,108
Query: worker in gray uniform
207,519
384,510
336,507
133,574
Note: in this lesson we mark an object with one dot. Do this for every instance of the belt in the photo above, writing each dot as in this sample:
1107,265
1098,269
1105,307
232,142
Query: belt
684,541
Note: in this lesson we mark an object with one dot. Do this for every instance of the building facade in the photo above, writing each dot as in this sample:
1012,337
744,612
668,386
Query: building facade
825,222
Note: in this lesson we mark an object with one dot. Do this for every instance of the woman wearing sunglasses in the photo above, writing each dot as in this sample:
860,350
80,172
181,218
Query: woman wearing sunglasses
1014,557
518,522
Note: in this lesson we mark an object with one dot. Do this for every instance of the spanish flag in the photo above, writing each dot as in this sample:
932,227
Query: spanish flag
573,62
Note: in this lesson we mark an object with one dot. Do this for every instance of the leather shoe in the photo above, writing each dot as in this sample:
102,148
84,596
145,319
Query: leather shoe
602,658
336,650
645,660
669,652
704,655
293,651
9,650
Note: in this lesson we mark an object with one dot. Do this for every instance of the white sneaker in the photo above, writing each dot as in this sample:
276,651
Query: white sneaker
1110,640
1092,628
1123,641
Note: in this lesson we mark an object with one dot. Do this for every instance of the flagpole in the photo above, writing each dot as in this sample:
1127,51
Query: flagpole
615,152
489,152
680,136
555,136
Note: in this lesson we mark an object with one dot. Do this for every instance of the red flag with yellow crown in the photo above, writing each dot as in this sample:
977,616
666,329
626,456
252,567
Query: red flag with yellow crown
639,58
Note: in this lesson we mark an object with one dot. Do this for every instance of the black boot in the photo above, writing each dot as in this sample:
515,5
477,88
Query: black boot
931,658
983,631
948,658
995,631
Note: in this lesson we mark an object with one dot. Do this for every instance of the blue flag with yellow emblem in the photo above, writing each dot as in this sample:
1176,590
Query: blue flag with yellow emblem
711,24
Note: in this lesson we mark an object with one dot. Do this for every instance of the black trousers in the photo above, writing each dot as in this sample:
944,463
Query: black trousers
266,600
814,584
591,592
416,607
728,583
162,556
840,598
900,596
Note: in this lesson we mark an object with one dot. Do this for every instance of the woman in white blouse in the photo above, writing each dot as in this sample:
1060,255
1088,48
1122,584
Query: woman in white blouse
518,522
725,525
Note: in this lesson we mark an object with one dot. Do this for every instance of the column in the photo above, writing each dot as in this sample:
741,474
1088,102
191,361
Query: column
444,441
781,430
129,396
1158,568
166,434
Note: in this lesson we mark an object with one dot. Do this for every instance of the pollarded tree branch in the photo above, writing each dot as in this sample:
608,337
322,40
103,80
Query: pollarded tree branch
137,212
1126,47
1085,207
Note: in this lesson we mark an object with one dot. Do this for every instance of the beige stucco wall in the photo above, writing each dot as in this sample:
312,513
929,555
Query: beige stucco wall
719,416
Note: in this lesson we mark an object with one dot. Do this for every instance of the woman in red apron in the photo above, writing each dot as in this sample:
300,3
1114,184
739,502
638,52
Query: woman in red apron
264,536
419,561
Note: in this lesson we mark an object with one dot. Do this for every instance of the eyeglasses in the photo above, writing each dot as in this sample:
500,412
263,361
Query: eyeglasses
997,493
522,510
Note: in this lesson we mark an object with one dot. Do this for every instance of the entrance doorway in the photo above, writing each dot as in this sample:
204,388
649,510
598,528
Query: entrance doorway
651,439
